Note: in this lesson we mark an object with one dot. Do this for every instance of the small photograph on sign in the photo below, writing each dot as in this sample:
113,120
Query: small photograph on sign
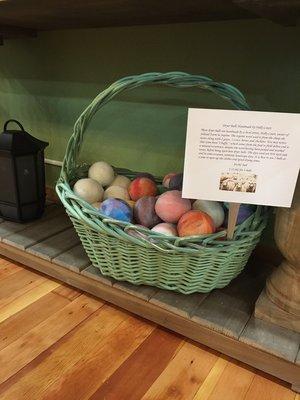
238,182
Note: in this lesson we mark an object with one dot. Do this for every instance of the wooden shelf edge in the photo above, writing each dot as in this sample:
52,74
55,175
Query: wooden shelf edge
259,359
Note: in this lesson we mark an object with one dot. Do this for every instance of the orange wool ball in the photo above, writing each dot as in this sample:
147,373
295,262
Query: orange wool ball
195,223
141,187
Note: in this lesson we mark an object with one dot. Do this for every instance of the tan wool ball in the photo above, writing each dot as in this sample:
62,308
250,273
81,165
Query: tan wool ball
89,190
122,181
102,172
116,192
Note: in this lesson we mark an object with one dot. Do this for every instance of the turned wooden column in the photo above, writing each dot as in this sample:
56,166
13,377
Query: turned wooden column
283,286
279,302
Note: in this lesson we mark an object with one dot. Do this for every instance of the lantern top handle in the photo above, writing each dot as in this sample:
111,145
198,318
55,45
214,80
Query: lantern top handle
16,122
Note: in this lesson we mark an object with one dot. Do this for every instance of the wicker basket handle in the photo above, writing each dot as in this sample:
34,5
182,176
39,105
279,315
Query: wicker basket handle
176,79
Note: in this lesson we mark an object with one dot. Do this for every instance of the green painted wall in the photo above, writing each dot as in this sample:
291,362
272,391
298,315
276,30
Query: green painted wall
46,83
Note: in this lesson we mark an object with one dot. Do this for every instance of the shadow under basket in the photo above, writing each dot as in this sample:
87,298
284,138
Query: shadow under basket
131,253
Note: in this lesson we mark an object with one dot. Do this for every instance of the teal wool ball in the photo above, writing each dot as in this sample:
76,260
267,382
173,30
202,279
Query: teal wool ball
116,209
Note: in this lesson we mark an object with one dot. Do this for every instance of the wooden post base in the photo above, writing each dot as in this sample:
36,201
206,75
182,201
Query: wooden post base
265,309
296,388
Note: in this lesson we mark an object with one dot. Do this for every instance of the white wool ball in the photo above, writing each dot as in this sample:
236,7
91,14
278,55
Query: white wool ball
102,172
212,208
165,228
116,192
89,190
122,181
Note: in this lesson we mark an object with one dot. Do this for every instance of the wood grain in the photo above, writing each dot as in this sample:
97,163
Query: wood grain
8,228
264,389
145,365
94,273
55,245
67,292
298,357
63,347
49,372
178,303
7,268
228,387
98,14
266,310
277,340
74,259
187,327
184,374
41,337
228,310
211,380
38,232
23,321
17,284
27,298
141,291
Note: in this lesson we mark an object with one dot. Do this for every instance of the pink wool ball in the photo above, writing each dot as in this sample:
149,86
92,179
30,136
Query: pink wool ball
165,229
170,206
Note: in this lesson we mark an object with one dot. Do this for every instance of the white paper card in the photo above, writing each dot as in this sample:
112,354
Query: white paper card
242,156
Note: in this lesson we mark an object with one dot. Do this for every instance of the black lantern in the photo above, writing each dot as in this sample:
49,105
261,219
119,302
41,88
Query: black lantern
22,175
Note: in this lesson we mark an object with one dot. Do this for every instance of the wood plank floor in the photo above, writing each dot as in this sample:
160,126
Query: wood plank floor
59,343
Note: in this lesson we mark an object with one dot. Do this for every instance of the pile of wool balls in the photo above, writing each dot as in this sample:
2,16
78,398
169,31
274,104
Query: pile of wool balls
139,201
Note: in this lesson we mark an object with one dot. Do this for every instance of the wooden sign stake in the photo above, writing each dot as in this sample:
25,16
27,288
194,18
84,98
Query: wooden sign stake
232,218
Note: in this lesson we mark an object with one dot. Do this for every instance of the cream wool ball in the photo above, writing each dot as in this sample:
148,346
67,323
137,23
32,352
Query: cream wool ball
122,181
97,204
212,208
89,190
102,172
116,192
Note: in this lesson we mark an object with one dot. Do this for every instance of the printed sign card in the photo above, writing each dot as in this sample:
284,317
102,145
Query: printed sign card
242,156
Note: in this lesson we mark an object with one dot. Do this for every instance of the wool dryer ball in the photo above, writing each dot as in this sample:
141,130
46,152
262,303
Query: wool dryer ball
170,206
102,172
122,181
212,208
89,190
144,212
165,228
195,222
116,209
141,187
97,204
116,192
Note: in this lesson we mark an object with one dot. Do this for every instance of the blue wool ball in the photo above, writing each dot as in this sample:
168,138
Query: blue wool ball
245,211
116,209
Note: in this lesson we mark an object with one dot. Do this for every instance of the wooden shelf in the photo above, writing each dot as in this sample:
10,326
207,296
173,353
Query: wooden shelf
222,320
19,18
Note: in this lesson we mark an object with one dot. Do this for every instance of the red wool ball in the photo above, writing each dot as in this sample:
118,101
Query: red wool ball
141,187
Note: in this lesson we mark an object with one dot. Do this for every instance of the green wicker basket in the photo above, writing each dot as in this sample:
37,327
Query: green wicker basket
187,265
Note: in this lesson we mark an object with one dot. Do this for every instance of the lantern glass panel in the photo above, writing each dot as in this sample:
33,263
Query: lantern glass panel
7,179
27,180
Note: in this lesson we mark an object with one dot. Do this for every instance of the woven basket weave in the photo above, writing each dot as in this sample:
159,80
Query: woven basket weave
187,265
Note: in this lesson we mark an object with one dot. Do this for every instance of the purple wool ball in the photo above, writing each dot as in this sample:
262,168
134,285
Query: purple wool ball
176,182
144,212
245,211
